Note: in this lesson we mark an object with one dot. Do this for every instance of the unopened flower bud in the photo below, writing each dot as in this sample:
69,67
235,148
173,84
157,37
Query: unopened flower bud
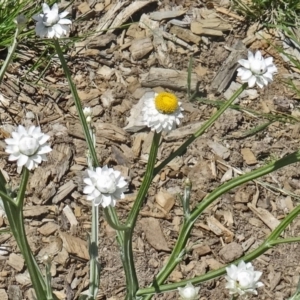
189,292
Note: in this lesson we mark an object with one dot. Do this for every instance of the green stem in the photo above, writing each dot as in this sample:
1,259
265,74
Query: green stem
112,224
11,51
265,246
127,255
93,249
48,281
5,197
77,103
208,200
199,132
84,124
16,221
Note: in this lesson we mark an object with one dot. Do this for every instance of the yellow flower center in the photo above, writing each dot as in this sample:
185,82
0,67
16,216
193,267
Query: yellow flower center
166,103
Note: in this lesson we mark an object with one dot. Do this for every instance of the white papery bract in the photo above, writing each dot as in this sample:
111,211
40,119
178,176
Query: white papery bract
104,186
189,292
28,147
161,112
256,70
87,111
50,23
242,279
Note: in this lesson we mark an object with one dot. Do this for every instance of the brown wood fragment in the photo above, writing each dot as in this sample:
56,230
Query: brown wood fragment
71,217
48,228
265,216
185,34
162,15
227,12
198,28
34,211
103,40
64,191
75,245
218,229
127,12
140,47
168,78
248,156
165,200
16,261
154,234
3,295
228,68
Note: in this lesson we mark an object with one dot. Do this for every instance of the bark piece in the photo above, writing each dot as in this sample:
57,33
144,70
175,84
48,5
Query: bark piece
3,295
16,261
218,229
70,216
165,200
64,191
265,216
48,228
140,47
227,70
248,156
162,15
185,35
154,234
168,78
75,245
198,28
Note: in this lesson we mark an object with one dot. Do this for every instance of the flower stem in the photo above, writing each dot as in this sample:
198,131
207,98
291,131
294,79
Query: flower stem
127,255
265,246
11,51
78,105
93,250
201,130
184,234
16,221
85,126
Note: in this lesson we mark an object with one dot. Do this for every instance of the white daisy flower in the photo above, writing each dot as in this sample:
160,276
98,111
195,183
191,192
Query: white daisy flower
28,147
242,279
50,23
104,186
256,70
189,292
162,112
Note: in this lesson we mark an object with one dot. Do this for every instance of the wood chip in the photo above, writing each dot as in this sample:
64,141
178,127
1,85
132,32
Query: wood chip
162,15
64,191
75,245
218,229
227,12
168,78
34,211
70,216
185,35
165,200
248,156
229,67
48,228
154,234
16,261
140,47
198,28
3,295
265,216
